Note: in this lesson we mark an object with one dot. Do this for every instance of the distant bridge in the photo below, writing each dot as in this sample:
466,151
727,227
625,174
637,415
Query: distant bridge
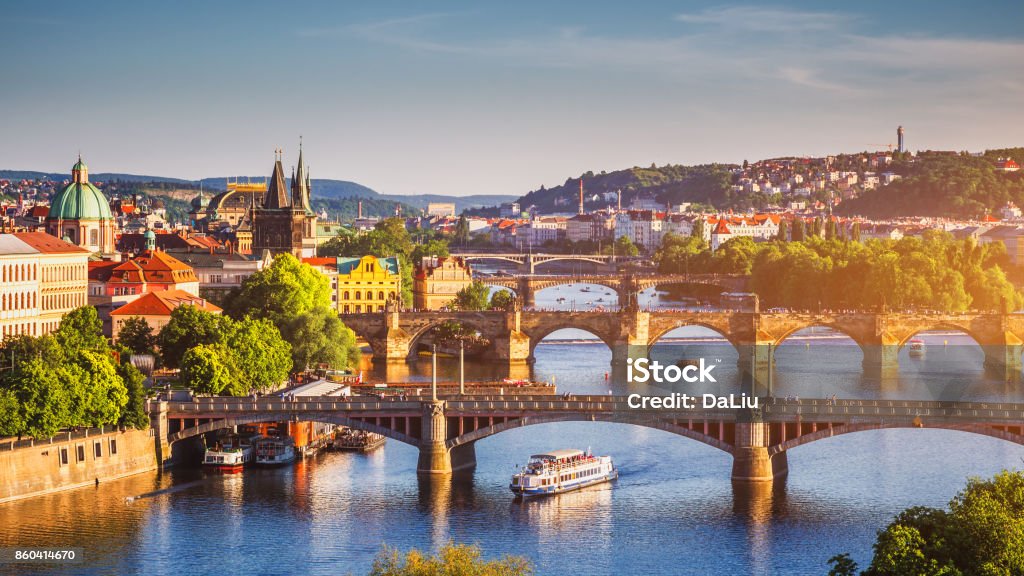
626,287
446,430
630,332
528,262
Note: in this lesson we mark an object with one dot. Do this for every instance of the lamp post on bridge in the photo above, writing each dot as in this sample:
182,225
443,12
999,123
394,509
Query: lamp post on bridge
433,372
462,367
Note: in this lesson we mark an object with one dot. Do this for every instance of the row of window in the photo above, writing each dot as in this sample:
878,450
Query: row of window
19,272
97,451
18,301
369,295
26,328
63,301
65,272
359,308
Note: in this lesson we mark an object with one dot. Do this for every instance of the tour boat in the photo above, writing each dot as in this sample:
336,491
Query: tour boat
562,471
917,347
231,453
358,441
275,451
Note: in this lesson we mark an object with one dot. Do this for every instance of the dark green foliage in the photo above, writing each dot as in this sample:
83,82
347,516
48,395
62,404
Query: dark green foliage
476,296
189,327
982,533
137,336
134,413
347,209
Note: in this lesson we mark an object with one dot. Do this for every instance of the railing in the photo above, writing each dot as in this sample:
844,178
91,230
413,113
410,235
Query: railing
7,445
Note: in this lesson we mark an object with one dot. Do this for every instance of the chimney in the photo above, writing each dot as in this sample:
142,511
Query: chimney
581,195
360,215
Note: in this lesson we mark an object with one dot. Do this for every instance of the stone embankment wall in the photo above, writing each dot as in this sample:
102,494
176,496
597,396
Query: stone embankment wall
72,460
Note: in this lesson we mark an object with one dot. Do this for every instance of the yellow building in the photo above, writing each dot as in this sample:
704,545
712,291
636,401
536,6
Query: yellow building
438,280
366,284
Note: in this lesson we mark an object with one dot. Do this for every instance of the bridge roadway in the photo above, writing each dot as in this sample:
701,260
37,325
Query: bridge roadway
630,332
528,261
445,430
627,287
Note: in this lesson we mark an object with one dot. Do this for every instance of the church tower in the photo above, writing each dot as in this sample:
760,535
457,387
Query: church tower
285,222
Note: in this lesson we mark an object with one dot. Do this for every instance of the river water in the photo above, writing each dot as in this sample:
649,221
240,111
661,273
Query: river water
672,511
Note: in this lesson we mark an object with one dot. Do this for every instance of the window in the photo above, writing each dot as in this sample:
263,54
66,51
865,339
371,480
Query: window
94,237
113,446
380,295
80,449
97,449
359,295
346,309
358,308
63,456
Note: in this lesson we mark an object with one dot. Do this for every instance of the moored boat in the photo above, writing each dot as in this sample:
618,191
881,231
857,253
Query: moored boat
275,451
917,347
562,471
231,453
351,440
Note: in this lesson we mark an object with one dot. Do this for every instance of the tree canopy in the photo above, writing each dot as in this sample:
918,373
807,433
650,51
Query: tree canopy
450,560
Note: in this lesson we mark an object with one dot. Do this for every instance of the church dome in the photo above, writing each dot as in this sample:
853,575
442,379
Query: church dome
80,200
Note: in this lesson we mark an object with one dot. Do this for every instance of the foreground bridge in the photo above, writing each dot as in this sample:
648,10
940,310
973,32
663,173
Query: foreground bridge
626,287
446,430
529,261
630,332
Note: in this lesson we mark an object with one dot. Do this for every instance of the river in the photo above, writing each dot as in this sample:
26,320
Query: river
672,511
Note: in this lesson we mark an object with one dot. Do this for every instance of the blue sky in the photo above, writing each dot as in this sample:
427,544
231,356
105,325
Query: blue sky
496,97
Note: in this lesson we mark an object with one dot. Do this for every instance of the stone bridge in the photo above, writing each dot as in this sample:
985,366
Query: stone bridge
528,262
630,332
445,430
626,287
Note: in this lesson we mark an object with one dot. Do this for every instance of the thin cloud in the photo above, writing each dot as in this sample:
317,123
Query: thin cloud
754,18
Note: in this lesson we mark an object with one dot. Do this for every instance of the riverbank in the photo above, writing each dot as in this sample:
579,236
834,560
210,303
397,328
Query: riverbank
73,460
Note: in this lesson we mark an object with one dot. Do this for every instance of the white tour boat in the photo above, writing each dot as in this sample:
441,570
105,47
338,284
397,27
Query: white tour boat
275,451
562,471
232,452
917,347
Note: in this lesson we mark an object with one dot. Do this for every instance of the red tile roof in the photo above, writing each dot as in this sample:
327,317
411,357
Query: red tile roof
47,244
162,303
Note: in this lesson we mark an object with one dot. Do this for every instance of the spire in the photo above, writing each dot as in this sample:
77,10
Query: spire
300,183
80,172
276,196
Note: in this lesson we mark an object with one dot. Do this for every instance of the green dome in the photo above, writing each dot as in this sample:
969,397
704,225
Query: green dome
80,201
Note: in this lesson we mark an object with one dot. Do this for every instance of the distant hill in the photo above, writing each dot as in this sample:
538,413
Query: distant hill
322,188
705,184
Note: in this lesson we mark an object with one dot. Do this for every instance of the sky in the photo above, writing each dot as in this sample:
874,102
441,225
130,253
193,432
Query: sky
496,97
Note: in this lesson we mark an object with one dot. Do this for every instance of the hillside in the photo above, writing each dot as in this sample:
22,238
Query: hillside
322,188
706,184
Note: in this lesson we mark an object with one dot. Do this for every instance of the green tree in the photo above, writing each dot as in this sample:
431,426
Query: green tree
189,327
134,413
42,398
285,289
81,329
206,368
20,348
625,247
319,337
842,565
698,228
783,233
451,560
475,296
502,300
137,336
461,233
100,391
12,416
261,356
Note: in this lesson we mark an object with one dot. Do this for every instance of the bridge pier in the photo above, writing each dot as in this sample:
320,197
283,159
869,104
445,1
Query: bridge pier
463,457
756,362
1003,361
434,456
751,459
880,360
161,429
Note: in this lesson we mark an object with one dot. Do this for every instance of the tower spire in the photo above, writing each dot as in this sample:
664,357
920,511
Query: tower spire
300,183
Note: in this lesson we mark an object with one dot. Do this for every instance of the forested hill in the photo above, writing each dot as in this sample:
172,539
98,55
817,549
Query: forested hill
706,184
945,185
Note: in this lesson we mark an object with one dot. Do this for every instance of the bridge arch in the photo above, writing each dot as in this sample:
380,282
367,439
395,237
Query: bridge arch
688,323
820,323
939,326
1010,435
506,257
309,416
656,423
414,338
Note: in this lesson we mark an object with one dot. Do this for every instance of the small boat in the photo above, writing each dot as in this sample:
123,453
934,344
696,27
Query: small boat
916,348
358,441
600,299
585,289
231,453
275,451
562,471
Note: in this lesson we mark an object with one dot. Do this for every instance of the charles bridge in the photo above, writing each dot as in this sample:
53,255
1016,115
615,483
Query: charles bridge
446,429
393,335
527,262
